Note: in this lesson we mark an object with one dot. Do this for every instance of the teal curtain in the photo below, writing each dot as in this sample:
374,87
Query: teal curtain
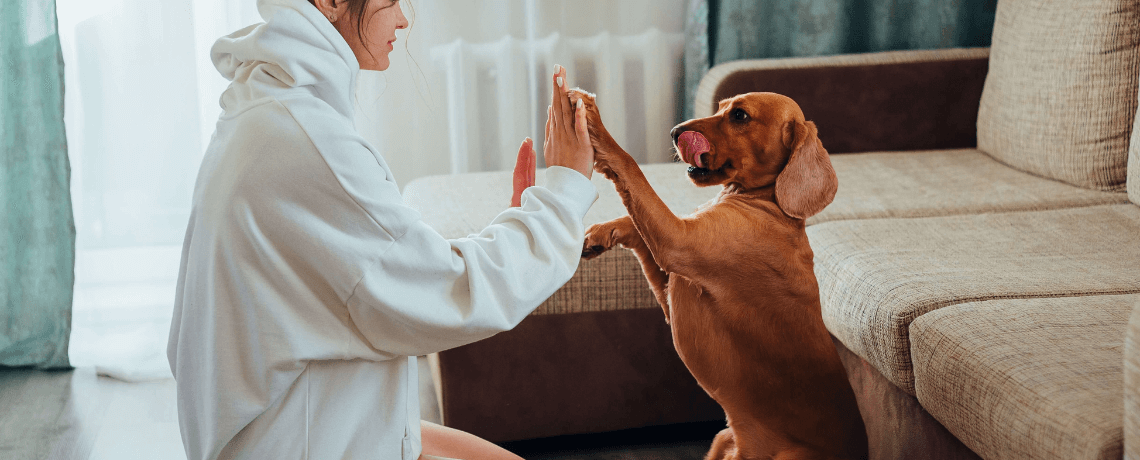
37,230
725,30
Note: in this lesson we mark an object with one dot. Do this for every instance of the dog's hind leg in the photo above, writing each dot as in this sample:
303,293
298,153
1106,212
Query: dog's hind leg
802,454
723,446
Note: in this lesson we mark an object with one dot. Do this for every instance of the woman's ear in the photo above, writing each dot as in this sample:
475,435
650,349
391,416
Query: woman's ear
808,183
331,9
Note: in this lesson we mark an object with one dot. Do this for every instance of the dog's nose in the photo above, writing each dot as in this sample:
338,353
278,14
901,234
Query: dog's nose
676,132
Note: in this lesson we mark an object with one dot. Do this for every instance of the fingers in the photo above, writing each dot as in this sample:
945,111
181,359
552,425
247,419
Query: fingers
562,111
549,120
548,137
524,171
557,95
581,128
531,162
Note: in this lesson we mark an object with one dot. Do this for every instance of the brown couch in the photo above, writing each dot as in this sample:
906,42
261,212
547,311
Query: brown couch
978,267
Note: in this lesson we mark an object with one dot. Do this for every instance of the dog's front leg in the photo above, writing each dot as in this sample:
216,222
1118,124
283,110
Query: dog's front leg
606,235
663,233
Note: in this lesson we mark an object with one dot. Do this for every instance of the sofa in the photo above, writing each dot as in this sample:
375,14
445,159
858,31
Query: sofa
979,268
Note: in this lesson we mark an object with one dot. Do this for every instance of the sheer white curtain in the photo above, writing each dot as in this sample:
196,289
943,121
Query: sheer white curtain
473,81
142,101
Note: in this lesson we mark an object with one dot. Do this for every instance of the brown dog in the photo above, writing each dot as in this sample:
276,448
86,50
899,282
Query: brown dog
736,279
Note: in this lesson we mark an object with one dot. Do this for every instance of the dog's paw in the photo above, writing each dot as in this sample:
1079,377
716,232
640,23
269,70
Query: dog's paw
593,116
605,146
598,241
605,236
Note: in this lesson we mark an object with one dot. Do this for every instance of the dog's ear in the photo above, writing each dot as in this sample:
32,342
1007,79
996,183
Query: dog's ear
808,183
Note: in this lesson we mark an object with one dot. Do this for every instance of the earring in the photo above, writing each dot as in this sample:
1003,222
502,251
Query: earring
332,18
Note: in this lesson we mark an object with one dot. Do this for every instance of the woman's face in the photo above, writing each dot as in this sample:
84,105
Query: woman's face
382,18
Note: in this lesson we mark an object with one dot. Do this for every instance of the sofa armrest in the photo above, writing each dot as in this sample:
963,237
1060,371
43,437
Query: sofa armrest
894,100
1132,385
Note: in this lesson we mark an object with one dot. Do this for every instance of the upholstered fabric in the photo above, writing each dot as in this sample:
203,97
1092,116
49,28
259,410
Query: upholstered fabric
570,374
1132,386
889,101
1061,93
872,185
1026,378
729,30
877,276
942,183
897,425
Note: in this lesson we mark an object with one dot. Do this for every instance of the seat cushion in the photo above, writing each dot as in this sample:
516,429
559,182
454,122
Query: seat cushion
871,185
877,276
1060,96
943,183
1026,378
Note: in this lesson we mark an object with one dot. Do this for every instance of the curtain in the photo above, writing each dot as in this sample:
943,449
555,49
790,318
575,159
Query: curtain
470,81
143,100
37,234
726,30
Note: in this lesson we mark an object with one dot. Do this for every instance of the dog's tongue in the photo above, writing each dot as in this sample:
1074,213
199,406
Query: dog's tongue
692,144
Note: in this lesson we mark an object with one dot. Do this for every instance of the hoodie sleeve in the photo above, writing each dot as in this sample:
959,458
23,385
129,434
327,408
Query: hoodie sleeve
417,292
426,294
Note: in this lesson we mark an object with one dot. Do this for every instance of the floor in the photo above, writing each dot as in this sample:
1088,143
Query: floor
82,416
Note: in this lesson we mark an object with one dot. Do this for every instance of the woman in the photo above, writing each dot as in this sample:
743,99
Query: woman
307,288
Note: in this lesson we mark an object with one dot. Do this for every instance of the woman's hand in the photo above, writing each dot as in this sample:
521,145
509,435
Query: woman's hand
567,135
524,171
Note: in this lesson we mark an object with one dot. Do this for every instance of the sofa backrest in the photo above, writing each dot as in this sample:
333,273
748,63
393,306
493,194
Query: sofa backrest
1061,93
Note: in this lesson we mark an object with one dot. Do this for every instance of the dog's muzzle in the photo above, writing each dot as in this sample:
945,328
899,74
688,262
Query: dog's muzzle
692,146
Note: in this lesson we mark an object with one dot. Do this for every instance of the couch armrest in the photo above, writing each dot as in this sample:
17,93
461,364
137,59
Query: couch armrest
894,100
1132,385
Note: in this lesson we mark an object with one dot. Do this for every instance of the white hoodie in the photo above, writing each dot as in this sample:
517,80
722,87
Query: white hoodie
307,288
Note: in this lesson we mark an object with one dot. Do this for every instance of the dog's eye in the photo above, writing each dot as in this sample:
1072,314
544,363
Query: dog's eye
739,115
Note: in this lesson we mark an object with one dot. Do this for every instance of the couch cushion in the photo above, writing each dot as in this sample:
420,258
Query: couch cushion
943,183
871,185
1132,385
876,276
1026,378
1060,96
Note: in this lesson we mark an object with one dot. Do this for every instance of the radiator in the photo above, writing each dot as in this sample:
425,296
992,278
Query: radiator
497,92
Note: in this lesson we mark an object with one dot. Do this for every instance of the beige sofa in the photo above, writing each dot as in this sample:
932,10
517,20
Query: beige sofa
978,267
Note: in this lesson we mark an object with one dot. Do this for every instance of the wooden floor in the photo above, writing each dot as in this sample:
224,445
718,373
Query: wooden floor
78,415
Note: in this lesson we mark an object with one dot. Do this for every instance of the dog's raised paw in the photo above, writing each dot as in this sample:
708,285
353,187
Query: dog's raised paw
599,239
590,252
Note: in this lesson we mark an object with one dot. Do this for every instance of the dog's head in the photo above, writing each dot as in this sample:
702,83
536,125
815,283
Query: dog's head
758,140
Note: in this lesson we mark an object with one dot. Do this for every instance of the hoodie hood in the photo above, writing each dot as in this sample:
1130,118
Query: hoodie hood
295,50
